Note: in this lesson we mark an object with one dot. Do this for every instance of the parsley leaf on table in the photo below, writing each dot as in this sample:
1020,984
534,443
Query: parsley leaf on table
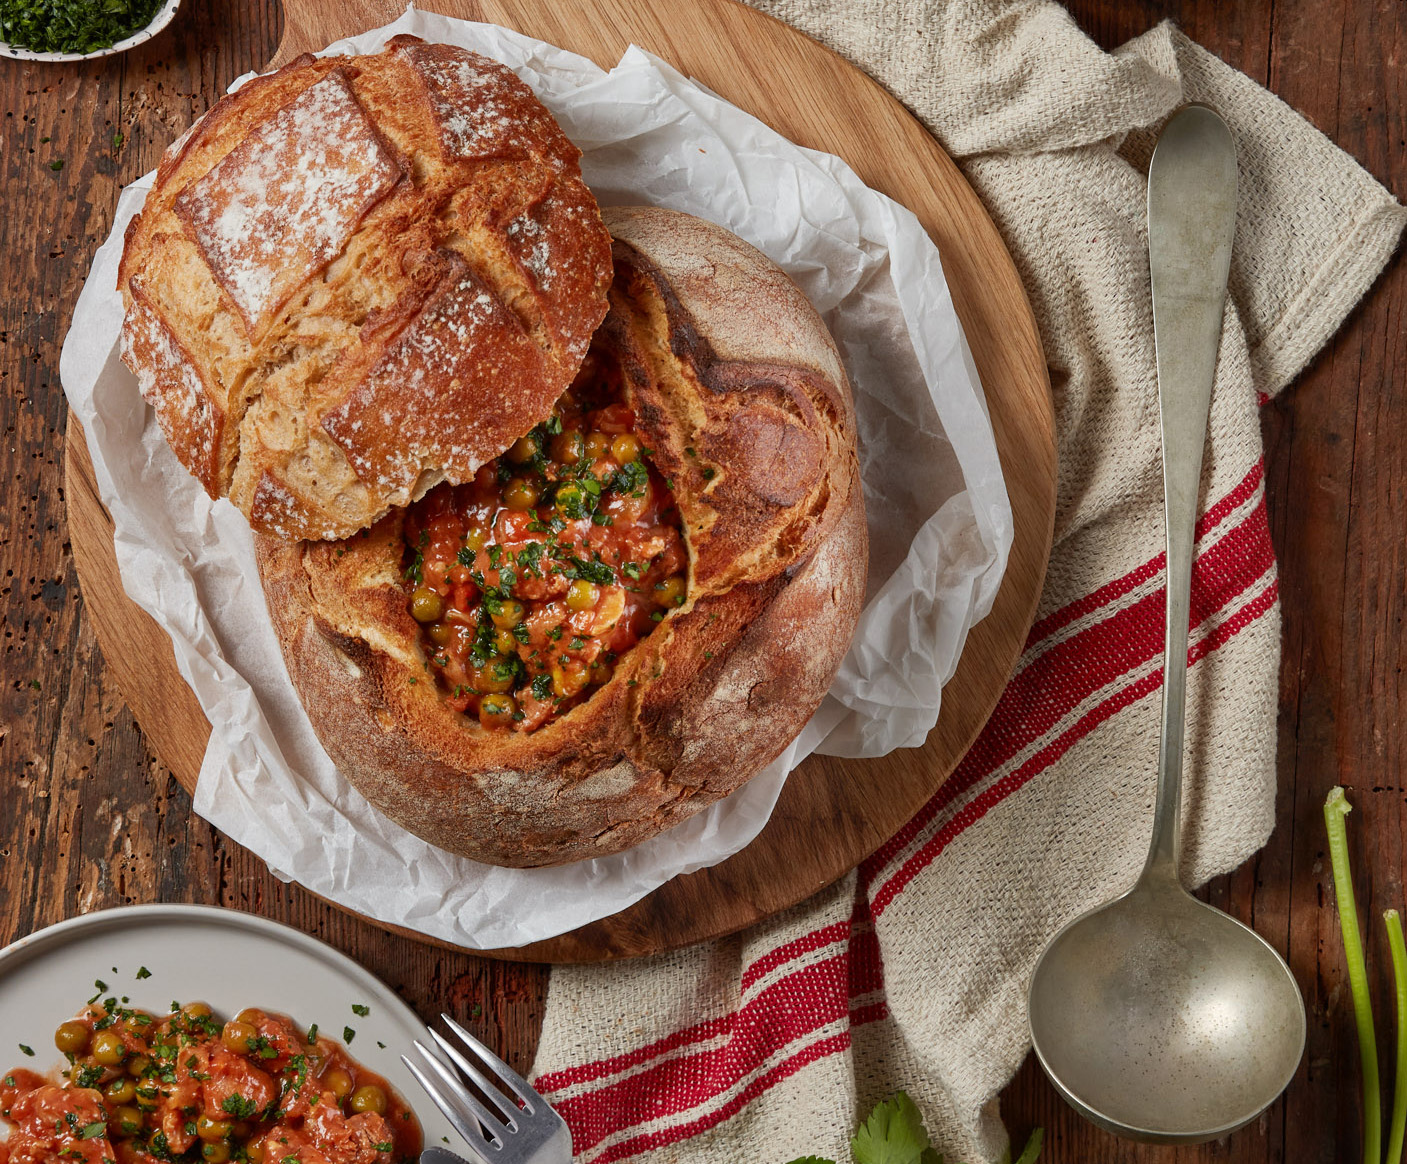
894,1134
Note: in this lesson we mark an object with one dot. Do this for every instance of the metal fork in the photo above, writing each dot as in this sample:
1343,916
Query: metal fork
527,1132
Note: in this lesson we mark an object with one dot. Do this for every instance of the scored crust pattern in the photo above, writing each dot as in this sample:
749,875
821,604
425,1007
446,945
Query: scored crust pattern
280,205
357,277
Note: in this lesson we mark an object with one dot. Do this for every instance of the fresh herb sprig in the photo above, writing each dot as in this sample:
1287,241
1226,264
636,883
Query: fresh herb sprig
894,1134
72,26
1336,808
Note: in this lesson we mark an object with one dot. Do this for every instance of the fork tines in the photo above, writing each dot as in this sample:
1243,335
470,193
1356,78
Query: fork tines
527,1131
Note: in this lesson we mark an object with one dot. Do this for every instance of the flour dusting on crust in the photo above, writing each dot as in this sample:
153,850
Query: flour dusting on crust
448,385
282,205
480,107
170,382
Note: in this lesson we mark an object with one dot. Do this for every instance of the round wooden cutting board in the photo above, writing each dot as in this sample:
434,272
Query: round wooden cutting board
832,813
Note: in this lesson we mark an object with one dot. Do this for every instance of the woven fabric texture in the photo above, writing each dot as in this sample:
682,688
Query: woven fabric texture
912,972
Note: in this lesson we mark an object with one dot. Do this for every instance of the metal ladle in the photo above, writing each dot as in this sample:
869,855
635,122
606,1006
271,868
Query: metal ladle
1157,1016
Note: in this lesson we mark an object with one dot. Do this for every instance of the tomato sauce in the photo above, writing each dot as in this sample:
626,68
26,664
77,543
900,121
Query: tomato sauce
187,1088
533,579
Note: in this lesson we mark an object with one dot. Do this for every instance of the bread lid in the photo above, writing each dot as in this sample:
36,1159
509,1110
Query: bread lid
360,276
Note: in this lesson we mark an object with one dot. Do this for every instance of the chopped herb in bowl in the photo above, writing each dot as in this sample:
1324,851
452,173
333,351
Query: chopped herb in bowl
73,26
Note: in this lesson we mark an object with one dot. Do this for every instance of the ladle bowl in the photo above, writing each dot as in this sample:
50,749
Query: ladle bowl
1164,1019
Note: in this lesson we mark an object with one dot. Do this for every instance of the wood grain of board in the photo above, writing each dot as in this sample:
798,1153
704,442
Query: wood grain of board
815,98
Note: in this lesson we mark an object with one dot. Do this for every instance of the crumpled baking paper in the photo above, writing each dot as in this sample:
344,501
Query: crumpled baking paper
940,524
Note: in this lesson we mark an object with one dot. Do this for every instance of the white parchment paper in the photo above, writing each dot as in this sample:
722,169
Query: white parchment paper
940,523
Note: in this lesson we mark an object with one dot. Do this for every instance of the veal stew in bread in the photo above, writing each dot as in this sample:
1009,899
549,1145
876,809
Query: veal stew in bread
531,580
183,1088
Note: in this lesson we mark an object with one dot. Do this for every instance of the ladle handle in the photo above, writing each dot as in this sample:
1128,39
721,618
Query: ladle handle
1191,220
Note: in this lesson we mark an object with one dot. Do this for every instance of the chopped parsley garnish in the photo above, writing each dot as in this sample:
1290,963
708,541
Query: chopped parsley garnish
92,1131
597,572
88,1076
312,1035
629,478
143,972
530,559
361,1009
348,1034
571,500
27,1050
298,1065
239,1107
67,26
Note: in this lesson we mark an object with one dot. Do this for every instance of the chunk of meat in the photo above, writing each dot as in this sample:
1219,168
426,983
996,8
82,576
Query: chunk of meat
235,1087
57,1125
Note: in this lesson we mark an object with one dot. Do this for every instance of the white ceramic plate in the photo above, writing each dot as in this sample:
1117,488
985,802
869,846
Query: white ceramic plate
165,14
228,959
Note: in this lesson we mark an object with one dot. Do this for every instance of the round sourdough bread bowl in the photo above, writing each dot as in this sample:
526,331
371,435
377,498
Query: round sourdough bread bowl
740,398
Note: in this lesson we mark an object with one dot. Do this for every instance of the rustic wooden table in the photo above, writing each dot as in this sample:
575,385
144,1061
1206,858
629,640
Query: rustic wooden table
93,820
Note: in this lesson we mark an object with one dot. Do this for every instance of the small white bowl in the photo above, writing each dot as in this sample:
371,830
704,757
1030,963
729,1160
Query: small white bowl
165,14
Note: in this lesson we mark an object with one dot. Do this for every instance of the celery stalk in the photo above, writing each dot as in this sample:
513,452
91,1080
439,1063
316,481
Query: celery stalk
1336,807
1032,1148
1396,944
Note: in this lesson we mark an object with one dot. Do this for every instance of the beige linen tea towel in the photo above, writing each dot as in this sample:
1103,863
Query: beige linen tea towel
912,972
